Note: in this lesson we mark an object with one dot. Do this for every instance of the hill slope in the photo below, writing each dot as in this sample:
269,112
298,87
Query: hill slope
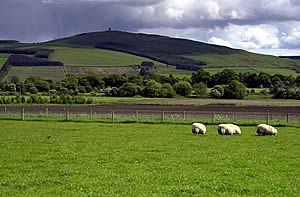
159,48
175,51
103,53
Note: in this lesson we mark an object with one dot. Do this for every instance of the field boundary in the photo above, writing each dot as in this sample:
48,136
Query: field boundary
153,116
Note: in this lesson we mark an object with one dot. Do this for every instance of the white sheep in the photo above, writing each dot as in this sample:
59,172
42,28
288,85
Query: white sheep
264,129
229,129
198,128
237,129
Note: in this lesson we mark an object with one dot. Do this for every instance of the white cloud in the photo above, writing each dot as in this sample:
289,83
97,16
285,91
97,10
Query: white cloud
220,41
290,37
248,37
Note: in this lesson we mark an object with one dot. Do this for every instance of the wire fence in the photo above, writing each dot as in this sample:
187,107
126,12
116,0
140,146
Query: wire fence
158,116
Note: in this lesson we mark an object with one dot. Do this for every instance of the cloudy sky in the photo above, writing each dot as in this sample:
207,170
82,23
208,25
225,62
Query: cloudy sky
265,26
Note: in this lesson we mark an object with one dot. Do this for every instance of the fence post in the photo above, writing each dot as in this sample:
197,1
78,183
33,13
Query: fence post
67,114
23,114
184,115
5,110
113,116
137,114
287,117
47,111
91,113
163,116
235,116
268,118
213,117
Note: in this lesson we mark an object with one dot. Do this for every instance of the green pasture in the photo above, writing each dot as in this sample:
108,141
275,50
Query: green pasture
97,159
246,62
74,56
273,71
242,59
3,58
55,73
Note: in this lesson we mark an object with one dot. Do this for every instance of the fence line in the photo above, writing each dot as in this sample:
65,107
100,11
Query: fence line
164,116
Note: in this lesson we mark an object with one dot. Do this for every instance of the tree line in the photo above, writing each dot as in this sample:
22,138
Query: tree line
224,84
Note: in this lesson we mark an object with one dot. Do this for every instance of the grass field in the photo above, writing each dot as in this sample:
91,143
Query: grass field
246,62
3,58
93,57
94,159
55,73
282,71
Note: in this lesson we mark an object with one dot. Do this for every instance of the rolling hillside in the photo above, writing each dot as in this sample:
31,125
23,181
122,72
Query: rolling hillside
119,52
175,51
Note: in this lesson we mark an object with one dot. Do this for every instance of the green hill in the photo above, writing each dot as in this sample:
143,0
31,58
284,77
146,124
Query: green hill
176,52
119,52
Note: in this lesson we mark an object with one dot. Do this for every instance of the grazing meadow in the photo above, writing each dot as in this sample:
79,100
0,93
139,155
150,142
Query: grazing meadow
93,57
3,58
53,158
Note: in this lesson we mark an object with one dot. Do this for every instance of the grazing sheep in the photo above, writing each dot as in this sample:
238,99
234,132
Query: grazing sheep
264,129
198,128
229,129
237,129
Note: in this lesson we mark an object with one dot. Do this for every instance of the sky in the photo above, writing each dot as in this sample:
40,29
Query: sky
263,26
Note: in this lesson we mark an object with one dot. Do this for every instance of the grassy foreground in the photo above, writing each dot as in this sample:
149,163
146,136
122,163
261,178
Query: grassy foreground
96,159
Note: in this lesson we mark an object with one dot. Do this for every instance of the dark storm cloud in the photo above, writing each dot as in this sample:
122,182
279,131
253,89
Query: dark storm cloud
37,20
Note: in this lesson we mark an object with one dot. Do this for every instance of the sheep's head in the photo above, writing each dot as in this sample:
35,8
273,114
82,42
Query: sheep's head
275,132
197,130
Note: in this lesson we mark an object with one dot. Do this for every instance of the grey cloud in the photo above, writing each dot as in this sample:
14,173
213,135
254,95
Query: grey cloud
38,20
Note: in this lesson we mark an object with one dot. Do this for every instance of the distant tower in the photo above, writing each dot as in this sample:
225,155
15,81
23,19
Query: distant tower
109,29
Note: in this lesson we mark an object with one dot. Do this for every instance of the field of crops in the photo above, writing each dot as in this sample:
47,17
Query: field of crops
96,159
93,57
101,70
55,73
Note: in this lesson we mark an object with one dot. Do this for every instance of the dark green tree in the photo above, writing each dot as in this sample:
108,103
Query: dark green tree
200,89
128,90
183,88
152,89
201,76
167,91
235,90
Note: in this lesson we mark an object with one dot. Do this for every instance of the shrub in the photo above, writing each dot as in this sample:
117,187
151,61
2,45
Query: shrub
128,90
167,91
183,88
201,90
235,90
111,91
217,91
152,89
33,90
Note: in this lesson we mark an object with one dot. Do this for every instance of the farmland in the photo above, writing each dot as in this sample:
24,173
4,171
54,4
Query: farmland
115,52
75,56
56,73
3,58
78,159
101,70
246,62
